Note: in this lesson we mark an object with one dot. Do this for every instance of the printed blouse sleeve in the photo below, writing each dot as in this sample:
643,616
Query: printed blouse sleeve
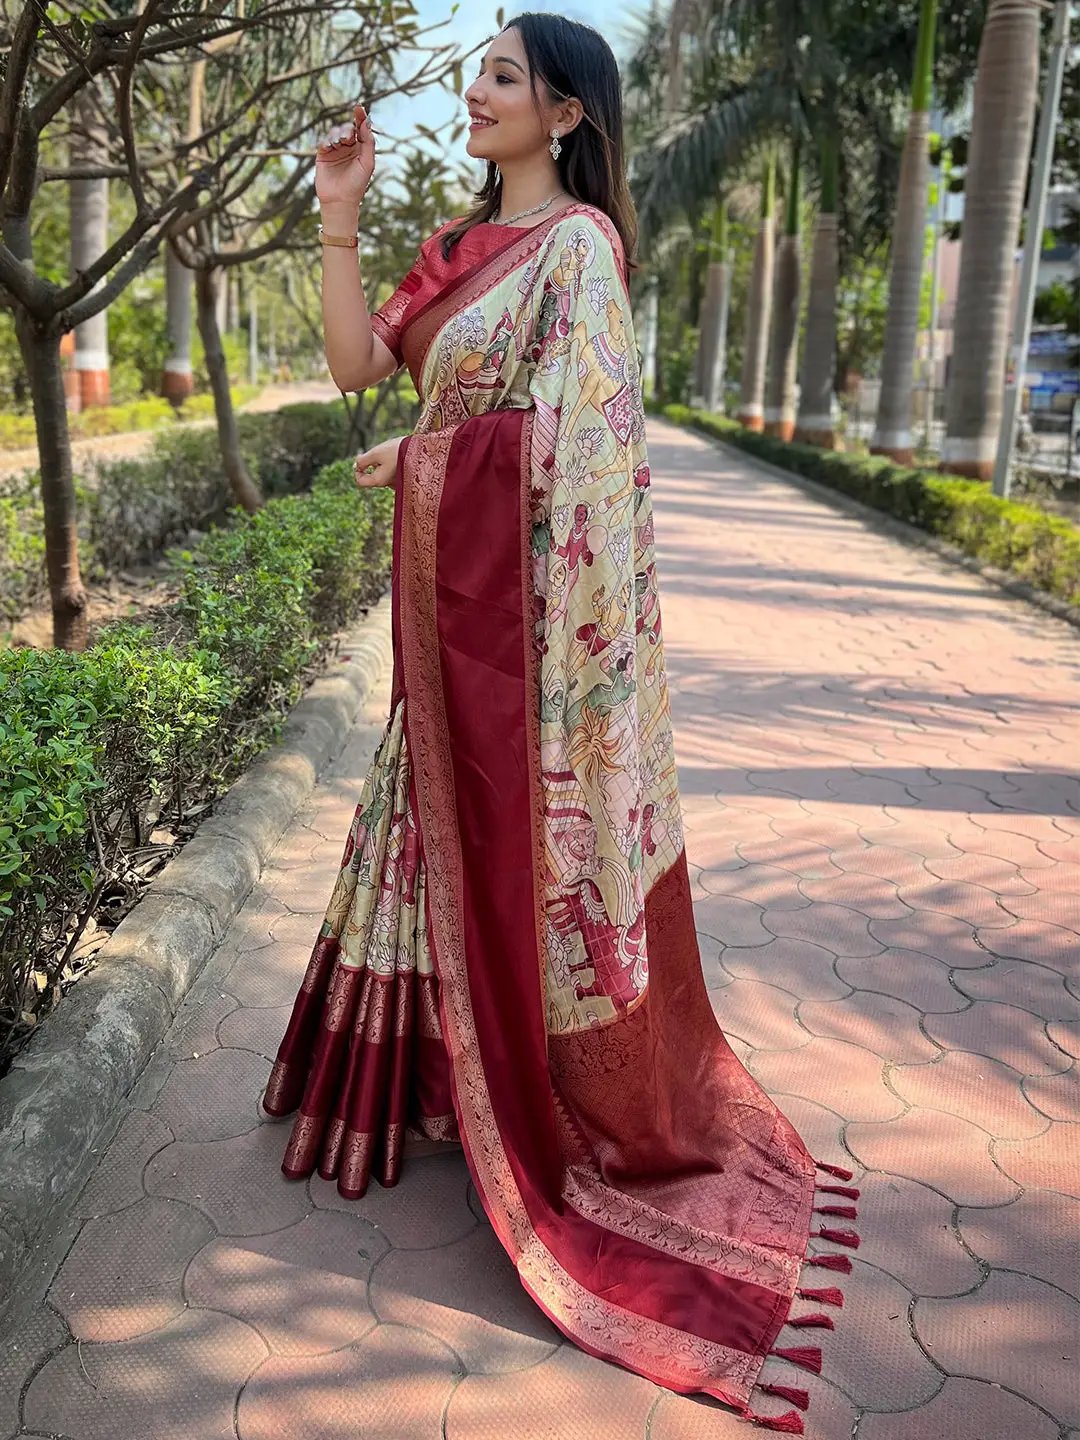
386,321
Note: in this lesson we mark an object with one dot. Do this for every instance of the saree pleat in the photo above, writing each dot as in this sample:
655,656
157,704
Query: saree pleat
510,955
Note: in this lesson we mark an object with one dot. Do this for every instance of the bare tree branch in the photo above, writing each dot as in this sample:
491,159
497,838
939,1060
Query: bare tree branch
15,72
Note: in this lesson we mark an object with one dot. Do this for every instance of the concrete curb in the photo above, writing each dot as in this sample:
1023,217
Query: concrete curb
898,529
59,1096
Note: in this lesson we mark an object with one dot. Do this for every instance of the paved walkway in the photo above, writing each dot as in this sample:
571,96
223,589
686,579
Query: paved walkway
885,844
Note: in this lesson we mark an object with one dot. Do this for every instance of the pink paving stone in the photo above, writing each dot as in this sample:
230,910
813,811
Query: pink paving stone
1049,906
251,928
1001,1032
907,1231
304,1288
760,1015
687,1417
997,875
820,1130
236,1183
888,1027
872,1355
1051,1161
175,1384
1017,849
845,1078
1066,1037
802,857
1025,985
37,1334
259,1029
303,891
936,1149
761,884
983,1091
117,1180
1057,1096
1035,940
428,1206
273,976
213,1097
794,965
122,1276
969,903
391,1385
468,1295
963,1410
835,928
870,895
907,975
1013,1330
195,1027
731,921
1035,1235
566,1397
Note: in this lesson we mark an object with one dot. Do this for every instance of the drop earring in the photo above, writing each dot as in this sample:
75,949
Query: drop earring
555,147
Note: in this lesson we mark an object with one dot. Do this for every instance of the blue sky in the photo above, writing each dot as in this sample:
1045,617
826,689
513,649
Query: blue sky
470,26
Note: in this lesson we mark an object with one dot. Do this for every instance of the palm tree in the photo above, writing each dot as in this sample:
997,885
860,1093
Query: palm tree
784,341
759,308
815,421
710,370
892,435
1006,87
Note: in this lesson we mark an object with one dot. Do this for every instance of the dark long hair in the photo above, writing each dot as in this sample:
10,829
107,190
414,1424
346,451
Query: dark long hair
572,59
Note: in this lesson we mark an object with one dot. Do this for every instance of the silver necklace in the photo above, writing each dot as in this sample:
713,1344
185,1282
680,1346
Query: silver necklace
534,211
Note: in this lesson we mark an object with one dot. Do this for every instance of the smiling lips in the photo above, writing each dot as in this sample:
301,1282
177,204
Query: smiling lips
478,120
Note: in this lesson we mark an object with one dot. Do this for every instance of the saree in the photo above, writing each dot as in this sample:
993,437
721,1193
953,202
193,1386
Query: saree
509,957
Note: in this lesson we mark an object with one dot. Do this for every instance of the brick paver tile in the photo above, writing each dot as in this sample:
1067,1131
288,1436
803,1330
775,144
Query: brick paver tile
892,1211
117,1181
759,1014
932,933
761,884
1013,1330
174,1384
964,1410
1057,1096
1050,1161
821,1130
237,1184
38,1333
888,1027
1036,1235
194,1031
1054,907
890,863
1023,984
272,976
686,1417
256,1028
251,928
211,1097
999,876
1066,1036
936,1149
565,1397
303,891
731,921
122,1277
468,1295
391,1385
983,1091
907,975
304,1288
844,1077
870,895
1034,940
1000,1032
428,1206
834,927
872,1355
794,965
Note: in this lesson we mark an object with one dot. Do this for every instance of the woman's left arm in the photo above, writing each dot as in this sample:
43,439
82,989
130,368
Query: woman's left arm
381,460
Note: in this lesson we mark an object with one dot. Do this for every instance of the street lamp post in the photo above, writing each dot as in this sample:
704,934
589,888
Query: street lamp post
1036,219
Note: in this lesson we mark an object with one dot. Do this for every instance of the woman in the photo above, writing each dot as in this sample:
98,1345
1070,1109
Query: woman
509,957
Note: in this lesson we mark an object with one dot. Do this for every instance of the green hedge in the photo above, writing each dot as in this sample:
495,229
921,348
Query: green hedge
131,509
1042,549
18,432
159,716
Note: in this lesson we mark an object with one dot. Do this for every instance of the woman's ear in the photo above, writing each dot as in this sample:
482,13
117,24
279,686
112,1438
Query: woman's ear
569,116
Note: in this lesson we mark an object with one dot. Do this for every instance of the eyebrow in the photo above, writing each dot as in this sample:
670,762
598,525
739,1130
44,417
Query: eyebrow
507,60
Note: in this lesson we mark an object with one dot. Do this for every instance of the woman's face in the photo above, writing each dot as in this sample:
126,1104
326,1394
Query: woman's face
502,92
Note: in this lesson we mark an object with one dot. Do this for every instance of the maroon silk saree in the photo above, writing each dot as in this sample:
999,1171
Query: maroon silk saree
509,957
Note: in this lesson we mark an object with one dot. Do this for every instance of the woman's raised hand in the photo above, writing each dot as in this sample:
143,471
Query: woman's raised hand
345,163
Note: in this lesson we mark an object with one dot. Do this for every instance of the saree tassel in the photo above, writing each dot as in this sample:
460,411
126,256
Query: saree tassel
798,1397
808,1356
838,1237
817,1321
837,1170
823,1297
832,1262
849,1192
789,1424
846,1212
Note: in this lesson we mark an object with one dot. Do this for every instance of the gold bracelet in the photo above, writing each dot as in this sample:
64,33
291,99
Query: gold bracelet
352,241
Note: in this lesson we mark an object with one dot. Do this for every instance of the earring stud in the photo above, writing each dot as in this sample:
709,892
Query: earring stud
555,147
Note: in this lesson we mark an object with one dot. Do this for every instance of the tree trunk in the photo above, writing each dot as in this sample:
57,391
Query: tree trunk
815,425
41,356
243,487
89,219
892,433
710,369
783,361
177,381
759,314
1006,86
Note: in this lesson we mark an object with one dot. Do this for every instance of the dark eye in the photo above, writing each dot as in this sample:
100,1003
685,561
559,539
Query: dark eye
508,78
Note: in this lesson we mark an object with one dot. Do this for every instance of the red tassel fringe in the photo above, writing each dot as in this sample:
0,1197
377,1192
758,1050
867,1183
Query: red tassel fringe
801,1398
808,1356
839,1237
789,1424
823,1297
846,1212
832,1262
837,1170
817,1321
849,1192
